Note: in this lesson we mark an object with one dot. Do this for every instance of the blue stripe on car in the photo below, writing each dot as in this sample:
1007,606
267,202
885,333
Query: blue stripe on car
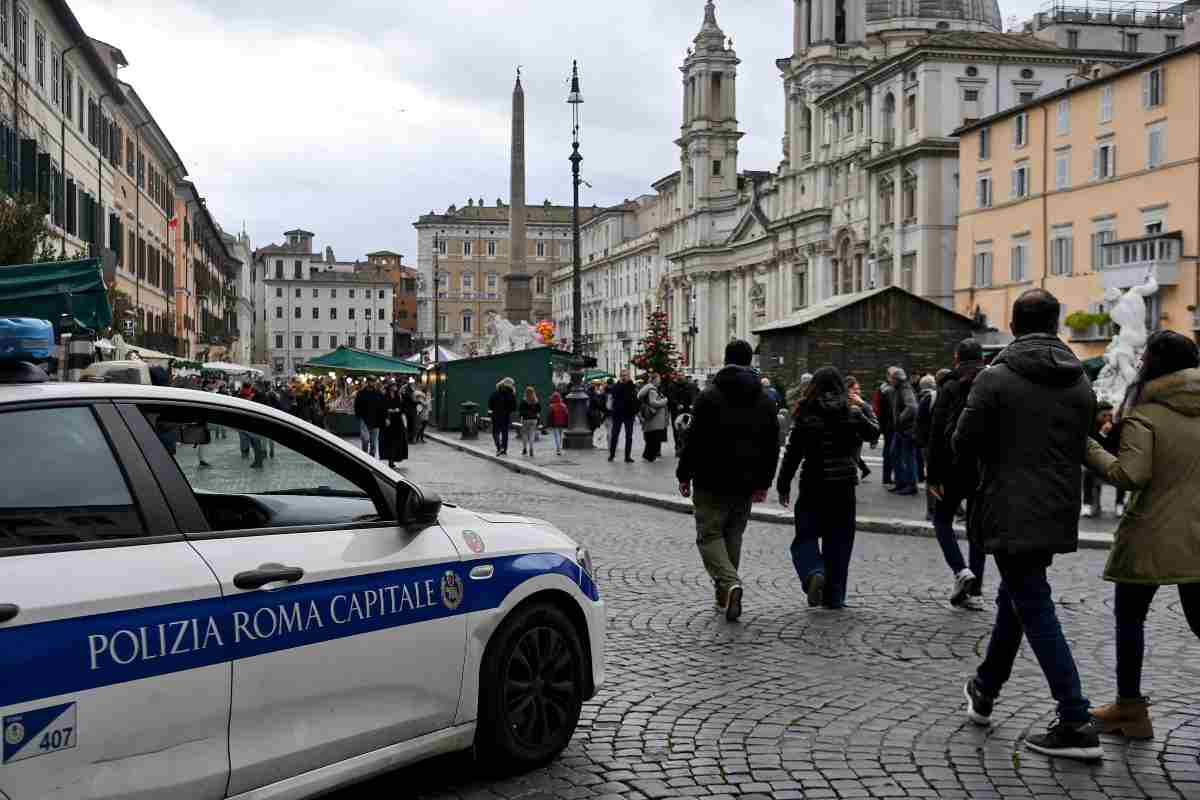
46,659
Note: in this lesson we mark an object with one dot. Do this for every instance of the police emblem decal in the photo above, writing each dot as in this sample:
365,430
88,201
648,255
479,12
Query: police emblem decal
452,590
474,541
14,733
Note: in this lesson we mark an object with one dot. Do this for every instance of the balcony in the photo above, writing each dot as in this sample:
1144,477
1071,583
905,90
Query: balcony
1132,261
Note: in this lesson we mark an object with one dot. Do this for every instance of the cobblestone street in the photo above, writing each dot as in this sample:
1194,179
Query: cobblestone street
799,703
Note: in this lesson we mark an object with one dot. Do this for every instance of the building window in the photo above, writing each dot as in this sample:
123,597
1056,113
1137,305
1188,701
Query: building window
352,340
800,286
1104,162
333,294
443,322
68,89
1101,255
1131,43
1156,145
1020,181
296,312
491,282
1024,97
539,284
908,198
468,322
381,294
350,313
316,293
333,312
333,342
1019,265
279,341
4,23
316,312
910,111
983,270
1062,170
279,291
716,166
468,281
1154,87
1064,116
466,248
541,249
1021,130
1172,42
970,106
985,143
380,314
299,340
316,342
908,266
887,202
441,246
491,248
278,264
983,191
1106,103
297,292
1073,40
278,310
367,342
297,270
39,56
1060,250
1027,74
21,35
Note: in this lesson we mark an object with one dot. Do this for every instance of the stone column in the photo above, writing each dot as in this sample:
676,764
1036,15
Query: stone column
818,16
686,103
518,299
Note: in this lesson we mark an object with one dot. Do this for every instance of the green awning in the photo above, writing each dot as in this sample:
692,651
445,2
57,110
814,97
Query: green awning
49,289
349,359
597,375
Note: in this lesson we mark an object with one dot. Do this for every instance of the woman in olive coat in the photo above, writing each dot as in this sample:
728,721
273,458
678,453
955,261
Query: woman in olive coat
1158,540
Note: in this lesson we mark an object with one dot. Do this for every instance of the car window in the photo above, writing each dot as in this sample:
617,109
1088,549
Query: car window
60,482
246,477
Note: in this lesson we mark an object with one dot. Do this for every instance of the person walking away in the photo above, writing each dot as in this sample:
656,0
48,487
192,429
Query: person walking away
1027,421
1104,432
423,409
1158,541
926,396
826,435
557,418
953,480
502,404
886,414
904,421
623,399
855,398
531,414
597,410
409,406
395,427
370,410
652,404
729,458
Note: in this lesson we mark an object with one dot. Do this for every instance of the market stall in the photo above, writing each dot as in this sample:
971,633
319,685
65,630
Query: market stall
346,367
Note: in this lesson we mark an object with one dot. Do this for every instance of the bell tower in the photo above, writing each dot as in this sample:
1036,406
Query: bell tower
709,135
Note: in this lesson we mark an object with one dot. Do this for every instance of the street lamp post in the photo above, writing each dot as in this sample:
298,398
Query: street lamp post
437,349
579,434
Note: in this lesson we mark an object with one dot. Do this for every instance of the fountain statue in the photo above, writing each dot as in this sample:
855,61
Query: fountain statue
1128,310
506,337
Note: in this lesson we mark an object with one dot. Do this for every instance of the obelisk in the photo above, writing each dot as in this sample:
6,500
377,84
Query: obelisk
518,300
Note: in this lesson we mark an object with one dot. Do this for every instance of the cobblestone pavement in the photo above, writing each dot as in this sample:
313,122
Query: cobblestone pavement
800,703
593,465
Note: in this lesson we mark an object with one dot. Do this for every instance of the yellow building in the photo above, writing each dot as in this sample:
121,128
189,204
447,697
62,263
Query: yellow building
1085,191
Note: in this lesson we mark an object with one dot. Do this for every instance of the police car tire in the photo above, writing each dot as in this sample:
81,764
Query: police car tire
502,740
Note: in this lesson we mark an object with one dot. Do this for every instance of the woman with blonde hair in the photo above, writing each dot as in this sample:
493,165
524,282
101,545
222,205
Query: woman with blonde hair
530,412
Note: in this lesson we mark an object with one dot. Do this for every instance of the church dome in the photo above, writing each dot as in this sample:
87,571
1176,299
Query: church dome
979,12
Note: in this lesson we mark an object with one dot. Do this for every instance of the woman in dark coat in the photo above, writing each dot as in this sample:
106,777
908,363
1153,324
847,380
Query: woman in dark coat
395,431
824,442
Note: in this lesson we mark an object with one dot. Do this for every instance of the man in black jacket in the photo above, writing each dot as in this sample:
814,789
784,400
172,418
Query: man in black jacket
623,395
951,480
904,421
730,455
1027,422
501,405
370,408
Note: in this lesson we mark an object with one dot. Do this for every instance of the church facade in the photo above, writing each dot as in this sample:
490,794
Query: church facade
866,192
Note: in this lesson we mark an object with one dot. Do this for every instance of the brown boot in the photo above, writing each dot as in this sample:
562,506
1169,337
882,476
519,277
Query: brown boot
1128,718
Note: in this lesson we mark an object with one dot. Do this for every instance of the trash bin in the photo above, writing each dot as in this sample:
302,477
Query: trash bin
470,420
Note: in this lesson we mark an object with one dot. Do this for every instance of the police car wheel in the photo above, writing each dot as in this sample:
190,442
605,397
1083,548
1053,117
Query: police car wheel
533,680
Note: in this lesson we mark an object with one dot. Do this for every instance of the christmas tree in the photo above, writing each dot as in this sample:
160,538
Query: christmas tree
657,352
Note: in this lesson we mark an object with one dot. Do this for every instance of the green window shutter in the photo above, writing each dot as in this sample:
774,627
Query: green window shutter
44,193
28,166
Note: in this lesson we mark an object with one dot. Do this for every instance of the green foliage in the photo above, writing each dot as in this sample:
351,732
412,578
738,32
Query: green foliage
657,352
1082,320
24,235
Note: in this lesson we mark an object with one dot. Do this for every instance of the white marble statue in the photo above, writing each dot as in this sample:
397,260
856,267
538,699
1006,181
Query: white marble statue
1128,311
507,337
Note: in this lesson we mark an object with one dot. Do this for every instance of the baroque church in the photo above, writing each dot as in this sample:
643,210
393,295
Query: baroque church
866,192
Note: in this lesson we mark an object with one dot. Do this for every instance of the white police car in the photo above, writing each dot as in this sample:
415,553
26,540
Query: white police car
202,597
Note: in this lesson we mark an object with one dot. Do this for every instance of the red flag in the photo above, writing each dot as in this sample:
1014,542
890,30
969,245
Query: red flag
173,223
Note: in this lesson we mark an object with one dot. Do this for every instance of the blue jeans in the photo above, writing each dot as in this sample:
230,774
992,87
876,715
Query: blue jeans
830,517
500,427
904,461
369,438
1131,604
1024,608
943,526
617,424
887,458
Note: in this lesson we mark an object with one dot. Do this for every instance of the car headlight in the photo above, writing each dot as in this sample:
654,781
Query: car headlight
584,558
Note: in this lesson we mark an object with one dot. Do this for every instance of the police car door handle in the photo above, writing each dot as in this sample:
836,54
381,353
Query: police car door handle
482,572
8,611
267,573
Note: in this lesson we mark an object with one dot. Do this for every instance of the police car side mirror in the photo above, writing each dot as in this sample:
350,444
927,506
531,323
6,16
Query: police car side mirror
196,433
421,507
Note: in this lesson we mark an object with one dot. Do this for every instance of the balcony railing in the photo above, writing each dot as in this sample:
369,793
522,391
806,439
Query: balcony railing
1132,261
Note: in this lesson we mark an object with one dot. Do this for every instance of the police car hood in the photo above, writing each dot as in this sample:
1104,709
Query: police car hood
502,532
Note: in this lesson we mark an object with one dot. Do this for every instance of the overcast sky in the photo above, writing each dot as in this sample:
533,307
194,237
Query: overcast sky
351,119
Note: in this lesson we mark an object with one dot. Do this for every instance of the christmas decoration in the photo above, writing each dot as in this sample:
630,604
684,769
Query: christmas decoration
545,329
657,352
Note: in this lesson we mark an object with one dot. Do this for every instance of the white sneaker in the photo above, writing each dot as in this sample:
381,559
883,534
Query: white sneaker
974,603
1120,509
962,585
1087,511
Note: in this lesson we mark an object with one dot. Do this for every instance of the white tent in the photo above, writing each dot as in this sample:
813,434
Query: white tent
232,369
426,356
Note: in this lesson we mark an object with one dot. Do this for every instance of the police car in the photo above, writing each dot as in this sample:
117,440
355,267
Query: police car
203,597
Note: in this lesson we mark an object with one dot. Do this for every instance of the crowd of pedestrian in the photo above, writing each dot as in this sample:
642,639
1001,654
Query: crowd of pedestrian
1006,444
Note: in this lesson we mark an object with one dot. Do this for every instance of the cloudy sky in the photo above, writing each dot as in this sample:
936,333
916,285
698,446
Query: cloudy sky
352,119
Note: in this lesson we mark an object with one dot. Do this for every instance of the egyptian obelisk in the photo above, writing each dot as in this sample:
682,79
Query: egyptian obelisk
518,300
